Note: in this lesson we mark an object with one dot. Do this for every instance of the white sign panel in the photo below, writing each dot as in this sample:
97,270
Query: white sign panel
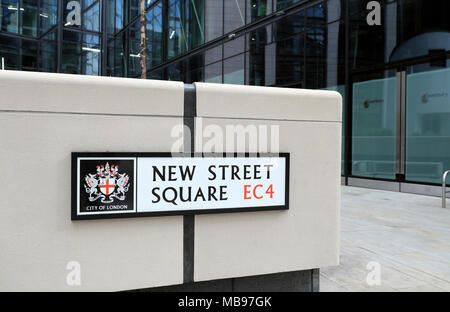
147,184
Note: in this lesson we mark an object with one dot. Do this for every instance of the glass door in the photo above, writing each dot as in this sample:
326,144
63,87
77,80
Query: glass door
374,125
427,121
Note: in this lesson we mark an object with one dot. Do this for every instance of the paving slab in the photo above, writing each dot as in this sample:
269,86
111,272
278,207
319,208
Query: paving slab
404,237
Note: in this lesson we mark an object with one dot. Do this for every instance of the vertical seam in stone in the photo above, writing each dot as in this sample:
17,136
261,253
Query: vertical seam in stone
189,114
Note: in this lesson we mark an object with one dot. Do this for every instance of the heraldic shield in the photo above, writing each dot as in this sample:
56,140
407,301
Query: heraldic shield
107,184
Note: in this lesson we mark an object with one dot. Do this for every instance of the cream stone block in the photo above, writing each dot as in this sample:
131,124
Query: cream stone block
252,102
307,235
37,237
44,92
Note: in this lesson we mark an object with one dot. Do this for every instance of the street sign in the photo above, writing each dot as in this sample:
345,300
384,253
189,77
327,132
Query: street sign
114,185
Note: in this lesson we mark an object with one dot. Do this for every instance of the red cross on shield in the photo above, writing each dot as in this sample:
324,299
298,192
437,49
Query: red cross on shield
107,186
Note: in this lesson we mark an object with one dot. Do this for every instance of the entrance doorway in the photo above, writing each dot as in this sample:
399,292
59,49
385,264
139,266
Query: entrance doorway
401,123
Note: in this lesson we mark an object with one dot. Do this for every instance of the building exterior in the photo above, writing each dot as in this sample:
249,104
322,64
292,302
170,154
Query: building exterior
393,73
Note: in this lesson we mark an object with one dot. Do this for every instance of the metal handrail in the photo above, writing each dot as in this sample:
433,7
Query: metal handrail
444,188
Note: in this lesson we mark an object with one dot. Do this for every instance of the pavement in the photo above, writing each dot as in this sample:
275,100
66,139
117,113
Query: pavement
391,242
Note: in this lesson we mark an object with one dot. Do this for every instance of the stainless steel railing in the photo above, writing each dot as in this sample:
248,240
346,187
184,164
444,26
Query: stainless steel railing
444,188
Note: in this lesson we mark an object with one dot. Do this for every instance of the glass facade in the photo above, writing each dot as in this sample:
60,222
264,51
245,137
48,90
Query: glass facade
393,77
374,126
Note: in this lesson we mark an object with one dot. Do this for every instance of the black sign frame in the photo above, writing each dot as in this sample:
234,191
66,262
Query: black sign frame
113,215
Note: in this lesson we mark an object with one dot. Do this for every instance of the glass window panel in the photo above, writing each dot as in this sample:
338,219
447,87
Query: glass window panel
120,64
427,123
234,16
154,36
213,19
193,67
134,56
9,49
110,59
194,76
213,73
415,17
234,46
120,16
366,42
176,40
29,53
81,53
257,9
90,14
185,26
9,14
257,57
110,16
90,19
197,22
174,72
315,60
289,26
48,15
126,11
213,55
47,53
233,70
134,7
29,17
410,28
374,127
290,67
158,75
282,4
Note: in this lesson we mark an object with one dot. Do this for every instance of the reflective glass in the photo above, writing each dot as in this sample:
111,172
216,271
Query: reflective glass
9,51
121,15
315,61
234,46
158,75
185,26
9,14
48,14
374,127
91,15
213,19
234,16
282,4
110,59
257,9
257,57
81,53
290,67
213,55
427,122
120,62
409,28
29,55
174,72
154,36
193,68
213,73
47,53
29,17
233,70
134,56
84,14
110,16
